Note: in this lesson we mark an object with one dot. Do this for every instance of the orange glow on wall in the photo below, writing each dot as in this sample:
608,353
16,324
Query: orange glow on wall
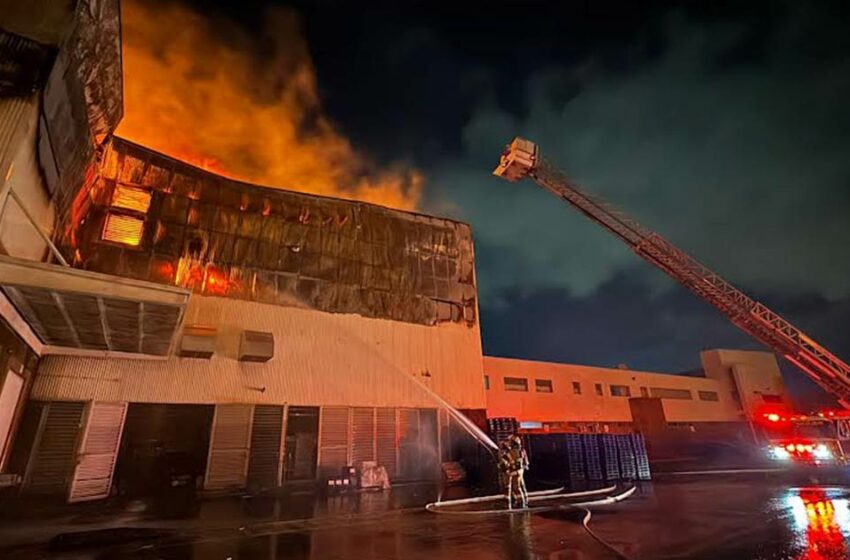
130,198
123,229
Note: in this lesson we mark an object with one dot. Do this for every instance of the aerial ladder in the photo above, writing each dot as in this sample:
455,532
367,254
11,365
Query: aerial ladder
522,159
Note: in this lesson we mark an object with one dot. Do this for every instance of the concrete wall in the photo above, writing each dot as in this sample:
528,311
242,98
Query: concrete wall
19,168
750,375
563,405
320,359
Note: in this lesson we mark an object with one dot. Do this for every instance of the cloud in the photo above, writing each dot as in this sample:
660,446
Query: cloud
741,161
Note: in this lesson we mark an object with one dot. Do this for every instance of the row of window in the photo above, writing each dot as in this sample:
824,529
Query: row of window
545,386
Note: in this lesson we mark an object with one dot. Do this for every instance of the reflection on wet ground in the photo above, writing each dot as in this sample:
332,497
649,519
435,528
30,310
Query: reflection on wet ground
703,518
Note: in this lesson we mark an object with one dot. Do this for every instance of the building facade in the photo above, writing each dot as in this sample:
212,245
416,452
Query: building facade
164,317
565,397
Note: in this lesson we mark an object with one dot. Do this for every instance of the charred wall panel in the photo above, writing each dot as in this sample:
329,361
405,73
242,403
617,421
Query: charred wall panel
225,238
82,100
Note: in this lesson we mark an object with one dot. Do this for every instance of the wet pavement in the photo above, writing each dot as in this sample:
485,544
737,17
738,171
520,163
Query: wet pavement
707,517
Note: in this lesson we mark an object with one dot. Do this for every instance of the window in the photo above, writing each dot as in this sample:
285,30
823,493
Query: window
486,382
598,388
543,385
123,229
644,392
576,388
129,198
664,393
516,384
620,391
709,396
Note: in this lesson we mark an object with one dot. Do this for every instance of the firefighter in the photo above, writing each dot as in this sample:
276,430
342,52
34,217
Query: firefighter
513,462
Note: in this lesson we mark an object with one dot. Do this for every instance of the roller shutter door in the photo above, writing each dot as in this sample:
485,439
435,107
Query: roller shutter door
408,444
445,436
333,440
362,435
51,462
429,443
98,452
386,444
231,436
265,456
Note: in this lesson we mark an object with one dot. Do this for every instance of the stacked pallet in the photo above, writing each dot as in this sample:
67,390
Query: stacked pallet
575,457
610,457
592,459
628,466
502,428
641,457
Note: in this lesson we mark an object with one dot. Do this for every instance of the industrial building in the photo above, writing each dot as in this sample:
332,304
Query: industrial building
724,396
152,311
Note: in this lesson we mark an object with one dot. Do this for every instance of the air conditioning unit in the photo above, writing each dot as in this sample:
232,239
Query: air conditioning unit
256,346
198,342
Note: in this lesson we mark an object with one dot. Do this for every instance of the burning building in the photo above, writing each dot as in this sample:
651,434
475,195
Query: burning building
254,336
154,312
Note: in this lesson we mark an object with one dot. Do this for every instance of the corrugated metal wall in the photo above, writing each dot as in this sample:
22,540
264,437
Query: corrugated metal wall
386,445
362,435
264,463
334,432
98,454
229,443
52,459
320,359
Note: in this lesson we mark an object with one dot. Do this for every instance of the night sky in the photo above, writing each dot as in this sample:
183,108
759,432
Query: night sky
723,126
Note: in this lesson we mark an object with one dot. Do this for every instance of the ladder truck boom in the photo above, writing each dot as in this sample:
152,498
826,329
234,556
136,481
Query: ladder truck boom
522,159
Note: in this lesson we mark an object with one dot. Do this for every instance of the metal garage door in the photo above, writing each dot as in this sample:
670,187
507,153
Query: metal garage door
52,459
265,457
98,451
333,440
231,436
386,444
408,443
362,435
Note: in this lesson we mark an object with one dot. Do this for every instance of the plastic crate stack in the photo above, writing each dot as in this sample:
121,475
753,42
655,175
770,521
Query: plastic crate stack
591,458
628,466
641,457
575,457
502,428
610,457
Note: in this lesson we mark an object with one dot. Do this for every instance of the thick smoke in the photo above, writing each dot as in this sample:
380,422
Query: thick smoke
742,162
245,106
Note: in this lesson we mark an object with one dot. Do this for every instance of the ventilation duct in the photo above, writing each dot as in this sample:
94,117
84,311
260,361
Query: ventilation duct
256,346
198,342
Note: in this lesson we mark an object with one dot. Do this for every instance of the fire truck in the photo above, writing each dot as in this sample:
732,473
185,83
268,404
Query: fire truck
821,439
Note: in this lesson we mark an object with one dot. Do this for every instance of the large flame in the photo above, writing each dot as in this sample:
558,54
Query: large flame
245,107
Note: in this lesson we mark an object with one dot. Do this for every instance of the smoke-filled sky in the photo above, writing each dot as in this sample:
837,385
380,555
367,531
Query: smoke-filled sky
725,126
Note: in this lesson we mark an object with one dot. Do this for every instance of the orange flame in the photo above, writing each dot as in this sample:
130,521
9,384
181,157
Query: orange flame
247,108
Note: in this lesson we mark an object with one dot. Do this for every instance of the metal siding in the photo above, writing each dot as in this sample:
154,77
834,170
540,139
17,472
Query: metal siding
408,444
265,455
362,435
52,460
386,442
429,443
92,478
445,437
229,443
333,440
322,359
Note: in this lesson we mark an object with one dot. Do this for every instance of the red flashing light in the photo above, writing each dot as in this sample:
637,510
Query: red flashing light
772,417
